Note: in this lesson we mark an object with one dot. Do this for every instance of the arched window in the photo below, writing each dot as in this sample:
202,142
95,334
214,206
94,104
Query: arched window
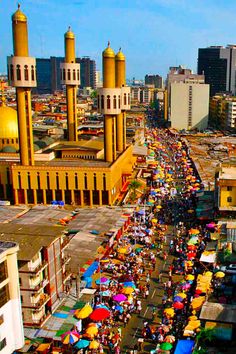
12,72
125,99
108,102
61,74
119,101
32,73
98,100
102,102
74,75
68,74
26,72
128,98
114,102
64,74
78,75
18,73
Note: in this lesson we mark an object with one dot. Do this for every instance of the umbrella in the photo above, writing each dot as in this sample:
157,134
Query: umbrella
119,297
84,312
220,275
166,346
178,299
190,277
94,344
170,339
101,306
129,284
186,286
99,314
70,337
119,308
82,343
102,280
191,255
169,312
122,250
194,324
105,293
192,247
193,318
127,291
183,295
194,231
92,331
178,305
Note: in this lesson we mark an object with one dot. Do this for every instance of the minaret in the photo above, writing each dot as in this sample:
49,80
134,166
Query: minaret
125,101
109,103
22,75
70,76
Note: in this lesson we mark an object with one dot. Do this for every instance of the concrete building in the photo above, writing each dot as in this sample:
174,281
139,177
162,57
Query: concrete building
141,94
67,175
189,105
11,326
155,80
219,67
43,269
222,112
88,72
181,74
225,187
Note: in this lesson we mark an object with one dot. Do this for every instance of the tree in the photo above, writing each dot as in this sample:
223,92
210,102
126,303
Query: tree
133,186
93,94
203,338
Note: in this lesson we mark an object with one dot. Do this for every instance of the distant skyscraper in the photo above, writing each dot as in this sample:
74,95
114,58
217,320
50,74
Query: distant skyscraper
219,67
88,72
155,80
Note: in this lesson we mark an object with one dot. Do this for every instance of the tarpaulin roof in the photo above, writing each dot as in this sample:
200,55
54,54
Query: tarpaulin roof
91,269
184,346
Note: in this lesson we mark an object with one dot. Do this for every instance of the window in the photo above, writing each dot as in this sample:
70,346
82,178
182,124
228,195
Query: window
108,102
4,295
32,73
74,75
18,73
68,74
64,74
98,101
102,102
85,181
3,343
1,319
26,72
229,188
114,102
76,181
11,72
229,199
3,271
119,101
78,75
125,99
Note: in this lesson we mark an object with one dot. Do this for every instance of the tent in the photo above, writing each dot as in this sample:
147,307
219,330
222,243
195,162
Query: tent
184,346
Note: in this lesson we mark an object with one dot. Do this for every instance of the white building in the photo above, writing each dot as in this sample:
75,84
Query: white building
11,326
189,105
231,114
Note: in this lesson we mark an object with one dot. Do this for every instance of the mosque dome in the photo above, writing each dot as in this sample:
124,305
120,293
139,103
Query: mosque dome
19,16
108,52
8,123
120,56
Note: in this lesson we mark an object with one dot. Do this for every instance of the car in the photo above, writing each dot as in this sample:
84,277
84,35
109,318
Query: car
230,269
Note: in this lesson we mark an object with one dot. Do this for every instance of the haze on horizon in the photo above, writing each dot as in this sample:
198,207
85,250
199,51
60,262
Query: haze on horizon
153,34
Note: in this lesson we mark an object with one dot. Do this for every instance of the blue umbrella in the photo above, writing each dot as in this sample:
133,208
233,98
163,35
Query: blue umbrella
141,212
119,308
128,284
102,306
82,343
102,281
178,299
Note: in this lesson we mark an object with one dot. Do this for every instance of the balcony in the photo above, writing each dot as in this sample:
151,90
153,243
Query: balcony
66,276
66,259
40,285
37,302
39,267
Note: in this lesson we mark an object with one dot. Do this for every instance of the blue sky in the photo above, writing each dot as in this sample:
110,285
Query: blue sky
153,34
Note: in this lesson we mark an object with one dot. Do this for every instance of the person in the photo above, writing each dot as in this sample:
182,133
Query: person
139,307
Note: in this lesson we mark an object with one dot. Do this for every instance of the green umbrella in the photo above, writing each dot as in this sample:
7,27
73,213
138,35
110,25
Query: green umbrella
138,250
166,346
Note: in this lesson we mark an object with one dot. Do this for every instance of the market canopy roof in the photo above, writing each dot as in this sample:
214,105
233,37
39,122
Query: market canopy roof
212,311
208,257
184,347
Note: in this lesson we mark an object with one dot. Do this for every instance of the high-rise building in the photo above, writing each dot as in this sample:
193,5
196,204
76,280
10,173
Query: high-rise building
88,72
218,64
11,325
193,111
155,80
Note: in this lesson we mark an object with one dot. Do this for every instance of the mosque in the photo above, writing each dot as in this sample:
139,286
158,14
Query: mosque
75,172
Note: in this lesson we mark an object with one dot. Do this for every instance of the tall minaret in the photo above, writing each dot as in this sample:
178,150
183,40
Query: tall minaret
121,118
70,76
22,75
109,103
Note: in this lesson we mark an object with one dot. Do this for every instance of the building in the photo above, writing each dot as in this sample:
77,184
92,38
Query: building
43,269
155,80
193,111
62,172
88,72
225,187
141,94
222,113
181,74
219,67
11,326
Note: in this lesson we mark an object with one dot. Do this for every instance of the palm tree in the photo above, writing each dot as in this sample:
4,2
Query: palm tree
205,336
133,186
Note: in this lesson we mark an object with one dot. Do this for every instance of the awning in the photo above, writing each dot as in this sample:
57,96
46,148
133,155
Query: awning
184,347
91,270
208,257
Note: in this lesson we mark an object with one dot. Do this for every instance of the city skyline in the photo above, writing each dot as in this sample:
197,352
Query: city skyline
153,35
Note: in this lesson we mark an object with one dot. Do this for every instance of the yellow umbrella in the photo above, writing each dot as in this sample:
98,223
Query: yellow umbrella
127,291
194,231
169,311
183,295
193,318
122,250
84,312
94,344
154,221
158,206
194,324
190,277
92,331
220,275
208,274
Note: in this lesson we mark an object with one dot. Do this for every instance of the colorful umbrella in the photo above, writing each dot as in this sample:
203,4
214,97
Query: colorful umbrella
178,305
190,277
219,275
119,297
70,337
129,284
122,250
99,314
84,312
166,346
82,343
186,286
92,331
178,299
94,344
102,280
127,291
183,295
170,339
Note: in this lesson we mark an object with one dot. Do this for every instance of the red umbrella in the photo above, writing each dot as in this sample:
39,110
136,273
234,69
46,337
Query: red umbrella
191,255
192,247
99,314
178,305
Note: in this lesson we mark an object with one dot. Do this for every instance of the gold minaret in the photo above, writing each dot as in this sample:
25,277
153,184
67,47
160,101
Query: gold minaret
70,76
22,75
107,104
121,118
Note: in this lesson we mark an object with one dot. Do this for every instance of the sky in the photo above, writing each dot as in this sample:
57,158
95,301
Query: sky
153,34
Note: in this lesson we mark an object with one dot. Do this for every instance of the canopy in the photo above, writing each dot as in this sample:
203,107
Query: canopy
184,347
91,269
